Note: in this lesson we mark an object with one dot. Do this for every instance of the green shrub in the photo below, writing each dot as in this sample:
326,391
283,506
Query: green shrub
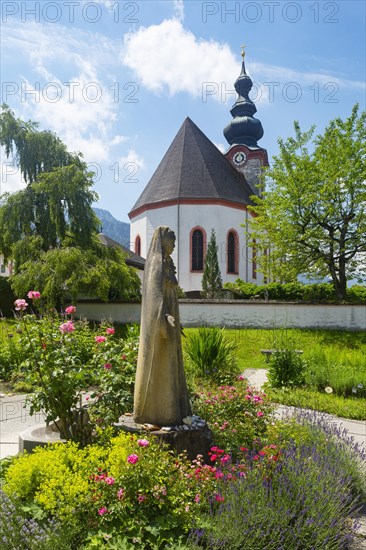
129,489
116,365
211,354
295,292
286,368
356,294
237,415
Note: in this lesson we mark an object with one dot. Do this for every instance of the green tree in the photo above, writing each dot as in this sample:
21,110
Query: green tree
211,279
49,228
312,217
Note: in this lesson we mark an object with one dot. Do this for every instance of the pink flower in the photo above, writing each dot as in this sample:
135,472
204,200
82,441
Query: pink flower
132,459
197,498
70,309
34,294
225,458
109,480
100,339
260,413
87,398
20,305
219,498
143,443
108,366
120,493
102,511
110,330
124,357
141,498
67,327
241,377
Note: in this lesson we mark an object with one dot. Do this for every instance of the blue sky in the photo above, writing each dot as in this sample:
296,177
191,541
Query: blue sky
116,79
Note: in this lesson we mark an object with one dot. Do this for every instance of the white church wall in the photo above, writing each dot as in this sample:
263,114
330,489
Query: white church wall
182,219
5,267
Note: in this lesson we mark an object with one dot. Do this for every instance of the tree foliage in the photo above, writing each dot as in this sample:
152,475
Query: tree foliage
211,279
49,229
312,217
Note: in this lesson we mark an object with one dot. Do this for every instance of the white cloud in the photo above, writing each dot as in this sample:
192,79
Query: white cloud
79,107
177,61
11,178
132,157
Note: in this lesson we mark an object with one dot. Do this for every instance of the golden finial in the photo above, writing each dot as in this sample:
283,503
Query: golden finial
243,51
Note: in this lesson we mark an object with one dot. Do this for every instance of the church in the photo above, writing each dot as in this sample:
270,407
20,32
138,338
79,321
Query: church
196,188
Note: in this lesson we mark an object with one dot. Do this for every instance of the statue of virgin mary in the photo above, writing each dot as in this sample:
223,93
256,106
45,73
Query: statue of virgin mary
161,395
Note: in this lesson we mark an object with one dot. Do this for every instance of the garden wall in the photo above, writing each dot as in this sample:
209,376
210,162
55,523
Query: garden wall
238,313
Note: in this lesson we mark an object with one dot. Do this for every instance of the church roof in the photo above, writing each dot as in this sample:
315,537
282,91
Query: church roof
194,168
132,259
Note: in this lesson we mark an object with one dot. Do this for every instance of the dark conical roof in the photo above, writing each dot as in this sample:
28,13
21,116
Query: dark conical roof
194,168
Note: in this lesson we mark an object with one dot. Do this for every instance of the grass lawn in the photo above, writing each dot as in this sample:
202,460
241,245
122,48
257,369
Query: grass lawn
335,359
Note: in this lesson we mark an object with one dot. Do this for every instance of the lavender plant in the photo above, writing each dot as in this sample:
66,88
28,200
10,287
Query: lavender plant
17,532
308,500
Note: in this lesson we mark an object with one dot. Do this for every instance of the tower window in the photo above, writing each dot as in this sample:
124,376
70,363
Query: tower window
232,252
197,249
138,245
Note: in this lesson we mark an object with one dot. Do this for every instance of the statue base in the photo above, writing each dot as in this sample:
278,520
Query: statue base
193,437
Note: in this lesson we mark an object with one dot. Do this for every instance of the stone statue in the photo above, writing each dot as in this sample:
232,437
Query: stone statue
161,395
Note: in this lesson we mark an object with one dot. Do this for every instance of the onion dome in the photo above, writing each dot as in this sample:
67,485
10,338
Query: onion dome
244,128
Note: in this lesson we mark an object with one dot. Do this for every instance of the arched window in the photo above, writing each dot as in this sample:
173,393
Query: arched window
197,249
138,245
232,252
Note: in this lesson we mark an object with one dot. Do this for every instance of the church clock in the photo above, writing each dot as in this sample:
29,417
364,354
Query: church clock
239,158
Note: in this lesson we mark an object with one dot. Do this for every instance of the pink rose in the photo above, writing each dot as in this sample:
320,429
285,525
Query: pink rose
20,305
109,480
70,309
34,294
108,366
132,459
100,339
120,493
260,413
124,357
143,443
67,327
102,511
110,330
141,498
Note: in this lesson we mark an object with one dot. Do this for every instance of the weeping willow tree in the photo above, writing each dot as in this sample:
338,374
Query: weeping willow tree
52,219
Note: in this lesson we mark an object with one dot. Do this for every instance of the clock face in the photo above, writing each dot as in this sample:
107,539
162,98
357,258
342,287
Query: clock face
239,158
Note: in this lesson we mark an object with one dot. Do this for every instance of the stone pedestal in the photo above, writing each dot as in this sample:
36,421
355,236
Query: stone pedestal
38,436
192,439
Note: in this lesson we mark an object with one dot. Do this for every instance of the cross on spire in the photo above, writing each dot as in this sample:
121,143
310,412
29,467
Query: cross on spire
242,50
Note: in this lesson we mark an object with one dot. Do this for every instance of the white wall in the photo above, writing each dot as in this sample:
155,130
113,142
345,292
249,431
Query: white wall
239,313
5,268
182,219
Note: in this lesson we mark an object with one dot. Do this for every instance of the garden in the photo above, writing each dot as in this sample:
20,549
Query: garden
294,483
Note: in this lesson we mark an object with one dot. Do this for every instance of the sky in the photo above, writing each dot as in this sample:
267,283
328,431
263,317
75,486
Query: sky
115,80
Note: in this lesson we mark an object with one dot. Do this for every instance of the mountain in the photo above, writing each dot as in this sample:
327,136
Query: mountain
119,231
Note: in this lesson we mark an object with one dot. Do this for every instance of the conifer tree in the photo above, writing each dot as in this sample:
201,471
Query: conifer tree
211,279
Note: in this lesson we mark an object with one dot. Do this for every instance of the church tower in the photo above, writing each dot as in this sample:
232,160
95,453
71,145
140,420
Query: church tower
196,188
243,133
